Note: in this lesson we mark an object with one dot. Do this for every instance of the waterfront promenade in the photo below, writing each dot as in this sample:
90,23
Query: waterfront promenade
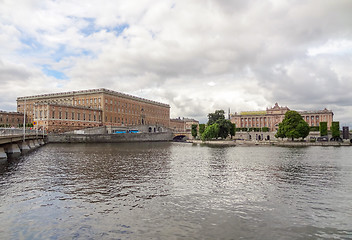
270,143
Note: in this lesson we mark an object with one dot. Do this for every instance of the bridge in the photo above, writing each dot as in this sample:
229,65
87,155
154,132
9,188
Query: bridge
13,142
181,136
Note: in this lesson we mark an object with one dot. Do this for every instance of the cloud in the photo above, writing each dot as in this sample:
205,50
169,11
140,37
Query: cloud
197,56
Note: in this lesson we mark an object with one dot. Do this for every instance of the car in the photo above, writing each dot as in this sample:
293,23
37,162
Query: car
323,139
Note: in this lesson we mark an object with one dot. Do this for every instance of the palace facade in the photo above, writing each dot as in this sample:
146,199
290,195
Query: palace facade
60,112
273,116
182,124
10,119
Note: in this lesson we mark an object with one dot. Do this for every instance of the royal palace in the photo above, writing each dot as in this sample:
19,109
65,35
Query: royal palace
67,111
271,118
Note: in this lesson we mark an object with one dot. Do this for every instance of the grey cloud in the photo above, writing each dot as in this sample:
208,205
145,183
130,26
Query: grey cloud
255,53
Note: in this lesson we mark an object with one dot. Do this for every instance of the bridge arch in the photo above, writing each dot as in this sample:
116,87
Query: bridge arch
180,138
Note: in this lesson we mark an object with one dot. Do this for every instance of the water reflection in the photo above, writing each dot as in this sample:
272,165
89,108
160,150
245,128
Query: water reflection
176,190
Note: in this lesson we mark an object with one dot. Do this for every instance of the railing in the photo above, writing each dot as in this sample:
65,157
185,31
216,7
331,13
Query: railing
18,131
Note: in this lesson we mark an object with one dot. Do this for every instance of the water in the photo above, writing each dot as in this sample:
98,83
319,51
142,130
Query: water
177,191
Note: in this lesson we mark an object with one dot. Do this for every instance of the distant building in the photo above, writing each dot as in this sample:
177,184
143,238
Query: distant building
273,116
60,112
182,124
10,119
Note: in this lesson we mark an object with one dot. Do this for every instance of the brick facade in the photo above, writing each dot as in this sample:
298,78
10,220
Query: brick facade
112,108
182,125
10,119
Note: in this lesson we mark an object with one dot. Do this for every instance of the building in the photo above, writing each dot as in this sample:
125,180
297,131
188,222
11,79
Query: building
63,118
183,125
11,119
273,116
67,111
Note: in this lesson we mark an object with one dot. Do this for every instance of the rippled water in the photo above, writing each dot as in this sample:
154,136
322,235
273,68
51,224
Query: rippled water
177,191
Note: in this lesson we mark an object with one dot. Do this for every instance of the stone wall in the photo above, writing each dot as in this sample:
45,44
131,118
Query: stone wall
110,138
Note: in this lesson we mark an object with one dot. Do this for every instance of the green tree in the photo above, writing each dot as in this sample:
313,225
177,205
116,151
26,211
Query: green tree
303,129
335,129
194,130
265,129
293,126
213,117
233,130
323,128
210,132
201,128
224,128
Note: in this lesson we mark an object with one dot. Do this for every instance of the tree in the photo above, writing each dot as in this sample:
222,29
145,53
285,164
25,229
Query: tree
201,128
213,117
210,132
233,130
323,128
224,128
335,129
194,130
293,126
265,129
303,129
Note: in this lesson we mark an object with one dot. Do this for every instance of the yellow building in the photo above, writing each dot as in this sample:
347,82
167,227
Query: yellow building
273,116
88,108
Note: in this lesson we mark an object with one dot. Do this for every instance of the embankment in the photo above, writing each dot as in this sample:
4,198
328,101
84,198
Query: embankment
110,138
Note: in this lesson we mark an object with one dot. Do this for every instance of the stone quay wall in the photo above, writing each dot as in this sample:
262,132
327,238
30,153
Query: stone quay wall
110,138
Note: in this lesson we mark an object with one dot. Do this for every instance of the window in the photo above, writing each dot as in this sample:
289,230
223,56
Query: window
95,100
59,115
78,116
73,116
53,114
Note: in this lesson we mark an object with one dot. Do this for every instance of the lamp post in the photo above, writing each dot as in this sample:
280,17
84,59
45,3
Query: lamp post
24,121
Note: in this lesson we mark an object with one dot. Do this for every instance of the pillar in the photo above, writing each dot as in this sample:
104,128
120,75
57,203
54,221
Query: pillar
3,155
13,150
36,143
31,145
24,147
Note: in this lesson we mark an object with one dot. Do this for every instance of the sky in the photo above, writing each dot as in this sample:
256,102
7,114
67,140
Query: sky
198,56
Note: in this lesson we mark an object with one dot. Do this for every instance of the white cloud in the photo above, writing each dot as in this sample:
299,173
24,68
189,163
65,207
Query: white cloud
198,56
